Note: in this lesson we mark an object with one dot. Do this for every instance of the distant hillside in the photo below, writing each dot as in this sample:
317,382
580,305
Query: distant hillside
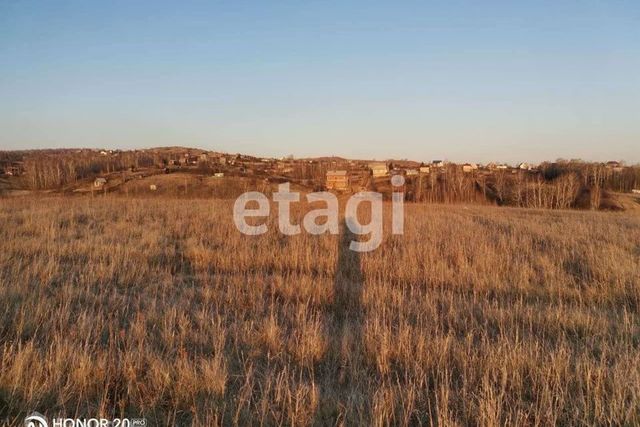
194,172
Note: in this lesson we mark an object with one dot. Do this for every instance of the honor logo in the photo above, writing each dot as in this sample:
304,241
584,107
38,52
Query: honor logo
38,420
35,420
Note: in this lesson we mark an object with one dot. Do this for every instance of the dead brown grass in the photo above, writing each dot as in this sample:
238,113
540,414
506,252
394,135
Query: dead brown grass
161,309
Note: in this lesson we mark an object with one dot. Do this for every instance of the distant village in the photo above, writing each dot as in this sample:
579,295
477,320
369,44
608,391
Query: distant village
433,181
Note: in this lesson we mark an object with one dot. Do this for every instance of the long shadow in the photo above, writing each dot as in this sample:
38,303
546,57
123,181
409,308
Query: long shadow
343,364
348,281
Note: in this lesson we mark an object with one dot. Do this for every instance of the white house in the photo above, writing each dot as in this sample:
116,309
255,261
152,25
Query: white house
99,182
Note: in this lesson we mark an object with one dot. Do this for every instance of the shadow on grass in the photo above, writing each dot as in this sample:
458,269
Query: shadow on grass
343,364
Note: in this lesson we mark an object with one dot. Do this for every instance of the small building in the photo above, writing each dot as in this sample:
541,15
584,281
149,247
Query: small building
438,163
379,169
218,175
337,180
153,187
14,169
467,168
412,172
615,166
99,182
425,169
635,191
525,166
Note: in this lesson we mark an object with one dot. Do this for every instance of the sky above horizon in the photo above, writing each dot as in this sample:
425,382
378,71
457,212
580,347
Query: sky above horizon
463,81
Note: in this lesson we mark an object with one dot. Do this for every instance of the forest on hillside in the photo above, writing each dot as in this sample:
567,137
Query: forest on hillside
554,185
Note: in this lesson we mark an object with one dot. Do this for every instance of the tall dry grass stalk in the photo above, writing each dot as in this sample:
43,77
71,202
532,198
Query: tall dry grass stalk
162,309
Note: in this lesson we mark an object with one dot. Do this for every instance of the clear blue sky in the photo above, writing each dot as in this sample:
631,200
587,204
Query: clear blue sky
465,81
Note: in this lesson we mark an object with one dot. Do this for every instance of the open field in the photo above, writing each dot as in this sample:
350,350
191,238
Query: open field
162,309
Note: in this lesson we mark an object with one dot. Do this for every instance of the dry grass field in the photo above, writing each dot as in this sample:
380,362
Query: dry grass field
162,309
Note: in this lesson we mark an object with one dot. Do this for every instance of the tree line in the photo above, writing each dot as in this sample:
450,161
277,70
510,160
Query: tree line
551,186
53,169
